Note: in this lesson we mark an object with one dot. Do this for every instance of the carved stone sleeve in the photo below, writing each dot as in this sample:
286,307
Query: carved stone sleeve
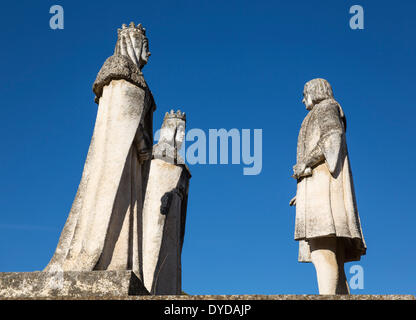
332,132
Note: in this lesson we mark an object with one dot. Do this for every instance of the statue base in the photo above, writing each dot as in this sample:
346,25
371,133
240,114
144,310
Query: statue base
70,285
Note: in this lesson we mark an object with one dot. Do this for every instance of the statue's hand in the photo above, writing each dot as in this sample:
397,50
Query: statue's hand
145,155
293,202
164,151
307,172
298,170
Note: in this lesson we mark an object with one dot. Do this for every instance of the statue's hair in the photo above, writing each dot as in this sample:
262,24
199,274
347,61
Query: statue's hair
318,89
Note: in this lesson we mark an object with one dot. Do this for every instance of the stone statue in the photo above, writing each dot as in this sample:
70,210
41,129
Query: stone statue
104,229
130,209
164,211
327,222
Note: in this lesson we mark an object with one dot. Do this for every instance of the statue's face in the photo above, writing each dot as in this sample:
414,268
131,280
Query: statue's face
133,44
145,53
180,133
167,132
173,132
307,101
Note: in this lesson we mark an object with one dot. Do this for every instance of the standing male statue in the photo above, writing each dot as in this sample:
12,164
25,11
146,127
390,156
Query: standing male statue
327,222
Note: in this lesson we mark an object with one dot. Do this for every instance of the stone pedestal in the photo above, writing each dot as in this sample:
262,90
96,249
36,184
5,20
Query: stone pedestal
70,285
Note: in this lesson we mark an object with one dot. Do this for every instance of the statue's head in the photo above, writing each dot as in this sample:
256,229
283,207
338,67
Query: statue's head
133,43
316,91
173,129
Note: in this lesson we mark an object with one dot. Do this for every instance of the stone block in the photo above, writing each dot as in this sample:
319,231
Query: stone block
70,284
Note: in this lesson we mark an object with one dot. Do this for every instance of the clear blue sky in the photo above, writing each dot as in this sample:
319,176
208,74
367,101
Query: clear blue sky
234,64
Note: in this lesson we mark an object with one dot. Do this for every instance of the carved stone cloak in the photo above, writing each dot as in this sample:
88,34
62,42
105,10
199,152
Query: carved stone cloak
325,202
103,229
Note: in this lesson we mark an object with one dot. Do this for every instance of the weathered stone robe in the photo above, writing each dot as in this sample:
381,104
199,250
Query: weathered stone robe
325,201
104,227
164,217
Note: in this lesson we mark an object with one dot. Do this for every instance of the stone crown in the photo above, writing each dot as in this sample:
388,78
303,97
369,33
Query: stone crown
175,115
139,28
